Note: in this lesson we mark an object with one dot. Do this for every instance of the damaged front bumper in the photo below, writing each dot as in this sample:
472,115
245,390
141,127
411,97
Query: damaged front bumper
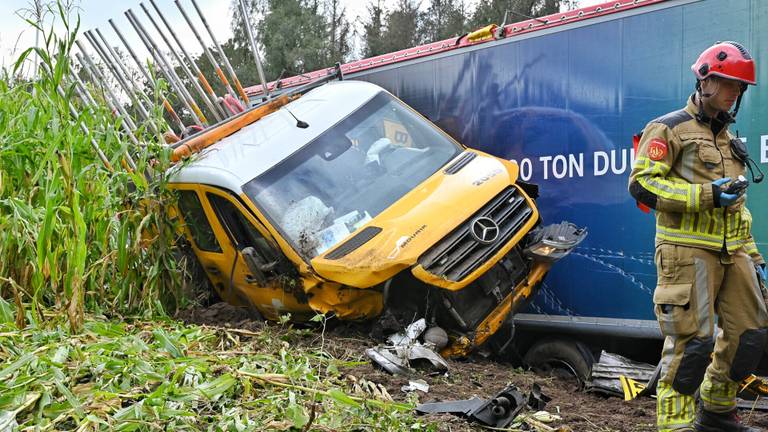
509,285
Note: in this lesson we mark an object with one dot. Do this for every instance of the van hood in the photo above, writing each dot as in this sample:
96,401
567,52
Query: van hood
396,238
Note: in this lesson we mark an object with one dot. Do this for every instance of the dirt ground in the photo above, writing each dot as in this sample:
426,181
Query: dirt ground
477,376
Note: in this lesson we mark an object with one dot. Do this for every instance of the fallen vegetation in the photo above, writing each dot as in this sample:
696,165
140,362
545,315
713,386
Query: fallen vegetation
165,375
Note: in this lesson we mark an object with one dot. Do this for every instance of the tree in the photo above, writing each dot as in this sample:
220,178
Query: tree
443,19
340,31
295,36
492,12
401,28
373,30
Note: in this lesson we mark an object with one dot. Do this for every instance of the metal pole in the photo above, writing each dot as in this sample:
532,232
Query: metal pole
123,68
94,144
127,78
173,79
105,57
74,113
210,104
96,76
166,104
166,67
208,54
127,123
190,60
254,48
228,65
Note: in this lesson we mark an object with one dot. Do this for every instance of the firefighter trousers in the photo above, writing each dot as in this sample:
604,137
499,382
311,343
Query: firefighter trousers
697,292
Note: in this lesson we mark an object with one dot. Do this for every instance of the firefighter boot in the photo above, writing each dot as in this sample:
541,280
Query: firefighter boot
707,421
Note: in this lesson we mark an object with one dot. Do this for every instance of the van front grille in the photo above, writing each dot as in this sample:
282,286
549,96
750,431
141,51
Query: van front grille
460,253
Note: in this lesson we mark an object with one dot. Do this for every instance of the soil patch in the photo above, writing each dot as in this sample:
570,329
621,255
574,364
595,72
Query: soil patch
476,376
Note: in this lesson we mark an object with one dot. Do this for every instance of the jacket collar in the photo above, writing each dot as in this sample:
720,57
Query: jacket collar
720,122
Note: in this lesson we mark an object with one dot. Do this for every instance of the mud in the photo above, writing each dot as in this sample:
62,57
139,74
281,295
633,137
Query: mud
477,376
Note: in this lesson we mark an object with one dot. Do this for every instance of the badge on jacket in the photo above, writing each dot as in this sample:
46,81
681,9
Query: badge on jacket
657,150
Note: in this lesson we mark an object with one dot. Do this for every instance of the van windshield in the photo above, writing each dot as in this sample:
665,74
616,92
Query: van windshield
350,173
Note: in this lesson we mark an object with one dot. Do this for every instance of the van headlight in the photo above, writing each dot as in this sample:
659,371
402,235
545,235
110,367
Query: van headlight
555,241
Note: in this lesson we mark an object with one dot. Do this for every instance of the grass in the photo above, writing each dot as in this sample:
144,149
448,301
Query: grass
163,375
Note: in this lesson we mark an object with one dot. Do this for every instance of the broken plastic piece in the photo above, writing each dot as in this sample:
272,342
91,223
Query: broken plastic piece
388,360
396,360
419,385
412,332
497,412
537,400
405,348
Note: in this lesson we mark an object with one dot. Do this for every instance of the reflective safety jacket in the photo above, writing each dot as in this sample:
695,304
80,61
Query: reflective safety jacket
678,157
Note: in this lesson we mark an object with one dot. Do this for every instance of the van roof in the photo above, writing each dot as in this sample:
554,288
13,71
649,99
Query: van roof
249,152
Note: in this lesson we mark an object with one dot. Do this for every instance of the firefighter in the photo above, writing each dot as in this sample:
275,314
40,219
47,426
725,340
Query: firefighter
708,266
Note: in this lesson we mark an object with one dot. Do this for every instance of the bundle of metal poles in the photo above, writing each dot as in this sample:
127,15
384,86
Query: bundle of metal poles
125,93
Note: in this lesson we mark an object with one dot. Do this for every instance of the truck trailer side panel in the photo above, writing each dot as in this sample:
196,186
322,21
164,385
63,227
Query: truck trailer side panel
564,103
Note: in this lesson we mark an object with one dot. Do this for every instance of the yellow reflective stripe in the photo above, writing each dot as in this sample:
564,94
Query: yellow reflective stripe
663,188
721,395
751,248
649,163
708,239
652,177
674,411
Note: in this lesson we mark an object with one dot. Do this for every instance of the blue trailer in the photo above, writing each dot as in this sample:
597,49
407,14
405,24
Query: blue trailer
562,96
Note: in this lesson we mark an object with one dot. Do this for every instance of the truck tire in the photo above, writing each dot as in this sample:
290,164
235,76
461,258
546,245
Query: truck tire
561,356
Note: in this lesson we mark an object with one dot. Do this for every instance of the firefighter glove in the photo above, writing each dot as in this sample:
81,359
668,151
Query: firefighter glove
721,198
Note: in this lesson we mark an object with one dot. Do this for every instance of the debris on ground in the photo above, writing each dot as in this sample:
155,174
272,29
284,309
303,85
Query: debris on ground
404,349
607,372
614,375
498,412
477,376
414,385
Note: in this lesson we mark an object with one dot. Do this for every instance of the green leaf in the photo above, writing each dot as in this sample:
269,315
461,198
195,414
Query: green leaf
343,398
161,336
297,414
216,388
6,312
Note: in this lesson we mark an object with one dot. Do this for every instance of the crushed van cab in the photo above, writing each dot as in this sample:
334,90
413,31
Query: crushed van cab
342,200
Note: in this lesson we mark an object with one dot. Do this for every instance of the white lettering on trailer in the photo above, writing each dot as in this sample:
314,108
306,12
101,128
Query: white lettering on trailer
526,168
572,166
764,149
601,163
545,163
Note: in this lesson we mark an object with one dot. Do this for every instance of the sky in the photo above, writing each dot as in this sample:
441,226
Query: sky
17,35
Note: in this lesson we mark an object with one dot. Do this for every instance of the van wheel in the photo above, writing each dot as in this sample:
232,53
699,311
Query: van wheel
561,357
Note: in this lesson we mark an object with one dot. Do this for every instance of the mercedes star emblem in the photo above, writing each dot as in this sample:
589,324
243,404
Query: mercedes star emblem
484,230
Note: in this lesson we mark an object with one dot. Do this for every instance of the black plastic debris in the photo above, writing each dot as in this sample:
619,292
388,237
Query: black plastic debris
499,412
537,400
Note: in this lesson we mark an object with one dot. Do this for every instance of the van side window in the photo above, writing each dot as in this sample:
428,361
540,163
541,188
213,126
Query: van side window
194,217
241,228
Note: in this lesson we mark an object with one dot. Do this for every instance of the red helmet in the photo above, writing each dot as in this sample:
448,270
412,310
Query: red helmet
728,60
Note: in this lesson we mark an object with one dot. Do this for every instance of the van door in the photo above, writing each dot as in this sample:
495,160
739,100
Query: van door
205,243
272,286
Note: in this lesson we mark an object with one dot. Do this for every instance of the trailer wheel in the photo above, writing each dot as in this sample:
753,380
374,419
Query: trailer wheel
561,357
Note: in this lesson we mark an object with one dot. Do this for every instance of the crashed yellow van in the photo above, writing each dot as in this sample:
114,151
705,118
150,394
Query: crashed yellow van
342,200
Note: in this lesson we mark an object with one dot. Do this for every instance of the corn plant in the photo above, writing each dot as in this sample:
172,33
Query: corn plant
76,236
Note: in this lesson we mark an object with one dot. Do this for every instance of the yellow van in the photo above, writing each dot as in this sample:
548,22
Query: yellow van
344,201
